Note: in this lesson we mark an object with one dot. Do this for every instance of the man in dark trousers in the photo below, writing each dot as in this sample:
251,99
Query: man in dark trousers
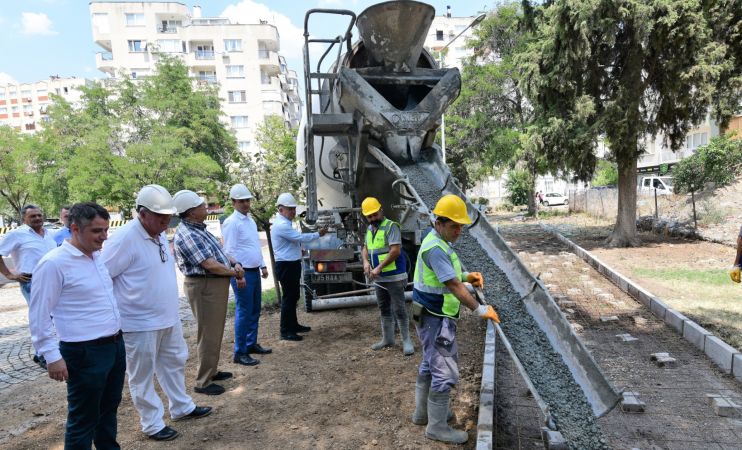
73,293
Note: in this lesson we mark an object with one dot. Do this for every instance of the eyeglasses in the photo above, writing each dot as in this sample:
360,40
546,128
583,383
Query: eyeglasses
163,253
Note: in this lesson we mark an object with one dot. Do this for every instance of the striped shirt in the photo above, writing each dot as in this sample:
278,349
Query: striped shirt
194,245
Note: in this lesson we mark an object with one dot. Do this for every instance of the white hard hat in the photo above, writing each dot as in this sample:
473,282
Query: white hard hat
287,200
156,199
185,200
239,192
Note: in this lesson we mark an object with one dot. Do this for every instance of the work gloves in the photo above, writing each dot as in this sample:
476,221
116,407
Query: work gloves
476,279
487,312
734,274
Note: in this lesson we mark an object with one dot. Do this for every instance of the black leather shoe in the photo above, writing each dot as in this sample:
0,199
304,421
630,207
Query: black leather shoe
212,389
166,434
259,349
197,413
221,376
245,360
291,337
303,329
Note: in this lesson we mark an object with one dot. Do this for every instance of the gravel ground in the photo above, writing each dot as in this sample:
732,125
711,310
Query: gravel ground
548,372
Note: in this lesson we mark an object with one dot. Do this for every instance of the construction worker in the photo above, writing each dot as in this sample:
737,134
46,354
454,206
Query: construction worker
142,266
385,264
438,293
286,242
241,240
736,273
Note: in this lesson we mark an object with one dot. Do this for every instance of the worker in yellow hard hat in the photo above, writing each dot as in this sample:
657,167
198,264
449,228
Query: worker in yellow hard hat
438,294
735,273
385,263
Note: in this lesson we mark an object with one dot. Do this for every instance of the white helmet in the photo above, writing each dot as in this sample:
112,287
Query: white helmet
287,200
185,200
156,199
239,192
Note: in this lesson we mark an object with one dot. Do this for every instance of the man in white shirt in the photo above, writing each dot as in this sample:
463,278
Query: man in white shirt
142,267
241,240
73,293
286,242
27,244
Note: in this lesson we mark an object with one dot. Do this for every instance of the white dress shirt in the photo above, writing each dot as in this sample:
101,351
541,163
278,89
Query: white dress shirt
75,293
241,240
26,247
287,241
144,285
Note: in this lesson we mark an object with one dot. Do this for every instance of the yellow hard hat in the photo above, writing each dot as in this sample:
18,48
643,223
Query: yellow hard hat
370,205
452,207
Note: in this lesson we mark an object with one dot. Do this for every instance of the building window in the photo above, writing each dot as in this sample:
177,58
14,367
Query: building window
3,110
2,95
26,93
233,45
264,77
695,140
238,121
438,35
169,26
41,92
237,96
244,146
135,20
171,46
14,109
205,52
137,46
234,71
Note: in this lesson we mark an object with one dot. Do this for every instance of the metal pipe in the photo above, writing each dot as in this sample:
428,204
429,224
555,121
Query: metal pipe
349,302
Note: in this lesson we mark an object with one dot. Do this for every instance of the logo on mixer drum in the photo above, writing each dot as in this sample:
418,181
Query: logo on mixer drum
406,119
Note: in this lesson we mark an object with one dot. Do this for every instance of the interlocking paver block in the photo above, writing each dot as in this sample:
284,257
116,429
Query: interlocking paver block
626,337
631,403
609,318
553,439
723,406
663,359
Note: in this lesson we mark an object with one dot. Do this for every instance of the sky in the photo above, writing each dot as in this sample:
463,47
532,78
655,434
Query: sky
54,37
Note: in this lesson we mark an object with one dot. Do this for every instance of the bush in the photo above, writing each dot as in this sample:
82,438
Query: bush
519,185
719,162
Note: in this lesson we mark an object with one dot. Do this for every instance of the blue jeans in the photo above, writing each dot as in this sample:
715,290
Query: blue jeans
26,291
96,379
246,311
440,360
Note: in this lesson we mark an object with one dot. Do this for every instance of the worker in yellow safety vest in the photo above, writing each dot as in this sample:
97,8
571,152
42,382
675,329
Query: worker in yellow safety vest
439,291
385,264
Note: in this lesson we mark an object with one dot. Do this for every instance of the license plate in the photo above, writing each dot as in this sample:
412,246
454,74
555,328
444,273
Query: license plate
343,277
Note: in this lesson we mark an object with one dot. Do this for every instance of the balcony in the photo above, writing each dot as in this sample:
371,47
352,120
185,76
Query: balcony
268,60
104,62
206,79
267,36
204,55
170,29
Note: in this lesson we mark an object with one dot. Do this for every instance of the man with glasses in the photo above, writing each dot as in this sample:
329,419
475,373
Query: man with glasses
207,269
241,240
142,267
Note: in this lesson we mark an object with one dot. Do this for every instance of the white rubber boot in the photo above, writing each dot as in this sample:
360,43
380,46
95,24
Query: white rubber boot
438,428
422,387
387,334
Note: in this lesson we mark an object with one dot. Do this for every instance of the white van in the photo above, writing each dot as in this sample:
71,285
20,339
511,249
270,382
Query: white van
647,185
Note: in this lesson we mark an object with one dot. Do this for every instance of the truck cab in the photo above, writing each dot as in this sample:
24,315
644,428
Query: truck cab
663,185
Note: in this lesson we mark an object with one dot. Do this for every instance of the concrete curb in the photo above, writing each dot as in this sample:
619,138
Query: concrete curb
724,355
485,423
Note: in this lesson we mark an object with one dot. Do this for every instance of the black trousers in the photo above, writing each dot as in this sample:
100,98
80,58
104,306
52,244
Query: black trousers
289,275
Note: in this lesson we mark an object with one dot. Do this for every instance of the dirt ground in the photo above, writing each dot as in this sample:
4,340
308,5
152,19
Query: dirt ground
328,391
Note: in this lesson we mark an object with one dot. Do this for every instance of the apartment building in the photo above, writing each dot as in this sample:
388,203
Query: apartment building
24,106
241,59
443,30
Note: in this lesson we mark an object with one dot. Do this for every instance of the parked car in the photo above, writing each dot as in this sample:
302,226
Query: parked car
553,198
663,185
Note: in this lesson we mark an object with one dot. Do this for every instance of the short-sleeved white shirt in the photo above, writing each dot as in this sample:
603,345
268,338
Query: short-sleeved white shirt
26,247
146,287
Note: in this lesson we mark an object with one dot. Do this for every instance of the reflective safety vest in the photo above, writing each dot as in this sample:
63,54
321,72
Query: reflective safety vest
378,250
429,291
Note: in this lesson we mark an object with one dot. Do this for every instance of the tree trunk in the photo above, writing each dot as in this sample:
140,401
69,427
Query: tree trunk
532,204
624,232
276,284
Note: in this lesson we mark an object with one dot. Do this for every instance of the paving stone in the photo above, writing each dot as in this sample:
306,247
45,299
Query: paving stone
596,291
568,311
584,277
553,439
720,352
626,337
577,327
658,307
631,403
723,406
609,318
567,264
737,366
566,303
640,321
675,319
606,297
574,291
663,359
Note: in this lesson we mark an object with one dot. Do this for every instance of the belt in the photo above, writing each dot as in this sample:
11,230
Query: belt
207,275
100,341
251,269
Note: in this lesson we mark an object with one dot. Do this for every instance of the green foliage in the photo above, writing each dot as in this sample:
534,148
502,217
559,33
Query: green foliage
606,174
127,134
719,162
272,171
519,185
16,151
